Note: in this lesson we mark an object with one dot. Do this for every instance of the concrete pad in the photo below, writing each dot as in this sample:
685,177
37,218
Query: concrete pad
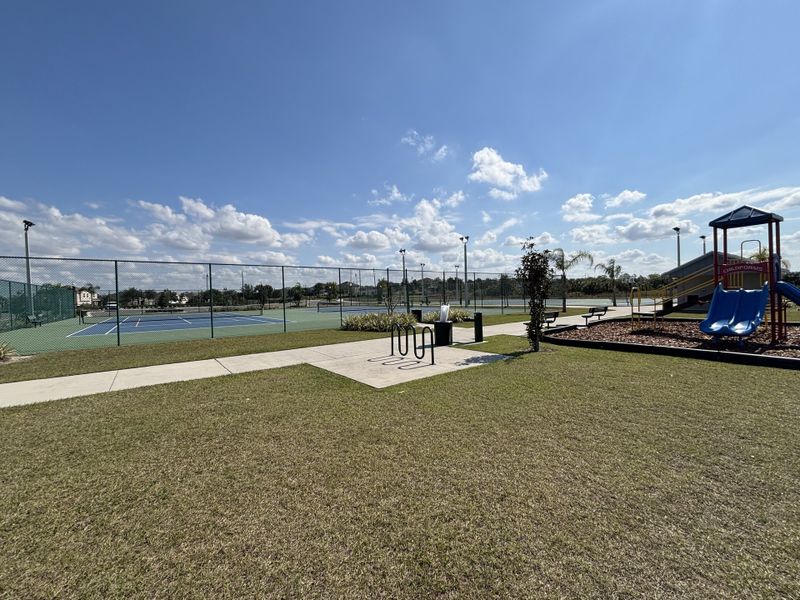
383,370
362,348
142,376
55,388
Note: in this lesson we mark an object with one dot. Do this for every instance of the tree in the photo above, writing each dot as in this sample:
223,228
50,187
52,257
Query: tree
563,263
611,270
762,255
536,276
297,294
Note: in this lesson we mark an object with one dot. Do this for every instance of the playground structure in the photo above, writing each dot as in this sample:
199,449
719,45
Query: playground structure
735,310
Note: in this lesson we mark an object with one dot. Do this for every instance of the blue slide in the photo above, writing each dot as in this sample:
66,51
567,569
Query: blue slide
789,291
737,312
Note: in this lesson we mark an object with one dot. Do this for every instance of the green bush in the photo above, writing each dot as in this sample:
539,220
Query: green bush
377,321
456,315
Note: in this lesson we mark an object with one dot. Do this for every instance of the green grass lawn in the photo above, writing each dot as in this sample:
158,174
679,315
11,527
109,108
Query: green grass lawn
568,473
90,360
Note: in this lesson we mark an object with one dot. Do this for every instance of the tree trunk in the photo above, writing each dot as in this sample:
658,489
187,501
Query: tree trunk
563,292
613,292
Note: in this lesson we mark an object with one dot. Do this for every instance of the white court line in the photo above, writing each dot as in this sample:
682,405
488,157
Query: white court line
186,321
110,330
84,329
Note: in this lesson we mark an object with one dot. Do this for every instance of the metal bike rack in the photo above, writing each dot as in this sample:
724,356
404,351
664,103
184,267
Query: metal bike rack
419,351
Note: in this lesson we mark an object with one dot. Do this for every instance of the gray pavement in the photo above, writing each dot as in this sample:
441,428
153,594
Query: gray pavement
369,362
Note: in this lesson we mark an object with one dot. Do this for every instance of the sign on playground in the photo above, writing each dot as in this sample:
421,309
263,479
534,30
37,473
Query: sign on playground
745,267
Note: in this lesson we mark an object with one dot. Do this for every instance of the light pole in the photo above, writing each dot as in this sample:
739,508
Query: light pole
678,231
464,240
458,294
422,268
28,224
702,237
405,278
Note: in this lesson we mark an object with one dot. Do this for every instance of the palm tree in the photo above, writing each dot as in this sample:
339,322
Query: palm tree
762,255
611,270
563,263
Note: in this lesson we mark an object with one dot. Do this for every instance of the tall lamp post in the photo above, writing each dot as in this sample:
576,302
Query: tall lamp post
28,224
678,231
459,295
422,268
405,278
702,237
464,240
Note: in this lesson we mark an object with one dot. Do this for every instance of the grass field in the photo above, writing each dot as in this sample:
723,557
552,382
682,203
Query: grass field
569,473
91,360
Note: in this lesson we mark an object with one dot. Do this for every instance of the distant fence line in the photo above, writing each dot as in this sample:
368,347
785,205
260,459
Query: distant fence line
103,302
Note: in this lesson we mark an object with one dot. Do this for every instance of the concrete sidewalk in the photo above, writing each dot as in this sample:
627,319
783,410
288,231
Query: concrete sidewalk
369,362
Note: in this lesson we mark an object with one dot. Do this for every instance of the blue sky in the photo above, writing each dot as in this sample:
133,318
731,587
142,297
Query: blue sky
336,133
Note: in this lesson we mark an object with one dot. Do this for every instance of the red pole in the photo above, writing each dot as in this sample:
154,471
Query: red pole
716,262
773,296
725,255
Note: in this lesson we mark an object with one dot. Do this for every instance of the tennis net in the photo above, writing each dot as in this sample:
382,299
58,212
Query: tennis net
171,313
350,307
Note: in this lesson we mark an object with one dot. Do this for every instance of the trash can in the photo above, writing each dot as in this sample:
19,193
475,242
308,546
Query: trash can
443,333
417,312
478,327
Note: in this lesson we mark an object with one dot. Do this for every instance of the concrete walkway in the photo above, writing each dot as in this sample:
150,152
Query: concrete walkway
368,362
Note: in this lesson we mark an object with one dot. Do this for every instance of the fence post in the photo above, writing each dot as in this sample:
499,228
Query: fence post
211,300
339,297
10,312
116,296
474,289
502,297
388,291
283,295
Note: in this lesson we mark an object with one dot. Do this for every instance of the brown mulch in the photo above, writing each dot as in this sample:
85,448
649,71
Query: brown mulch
685,334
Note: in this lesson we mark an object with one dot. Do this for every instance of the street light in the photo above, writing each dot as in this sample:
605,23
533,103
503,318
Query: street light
405,278
459,293
464,240
678,231
702,237
422,268
28,224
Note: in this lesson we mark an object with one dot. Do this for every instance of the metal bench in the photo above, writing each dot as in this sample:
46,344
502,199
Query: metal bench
33,320
550,318
595,311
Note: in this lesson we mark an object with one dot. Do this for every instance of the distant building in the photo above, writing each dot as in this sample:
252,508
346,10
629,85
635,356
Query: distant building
84,297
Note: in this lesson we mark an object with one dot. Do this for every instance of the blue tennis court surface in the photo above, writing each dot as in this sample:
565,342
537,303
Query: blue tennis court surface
137,324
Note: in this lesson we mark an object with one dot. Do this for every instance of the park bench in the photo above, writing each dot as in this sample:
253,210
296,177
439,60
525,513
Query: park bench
595,311
550,318
33,320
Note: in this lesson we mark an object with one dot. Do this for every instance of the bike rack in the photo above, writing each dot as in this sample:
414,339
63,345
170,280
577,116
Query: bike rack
405,329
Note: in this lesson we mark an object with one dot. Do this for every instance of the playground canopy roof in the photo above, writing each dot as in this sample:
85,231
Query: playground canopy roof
744,217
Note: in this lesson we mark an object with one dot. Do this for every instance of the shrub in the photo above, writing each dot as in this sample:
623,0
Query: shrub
6,352
377,321
456,315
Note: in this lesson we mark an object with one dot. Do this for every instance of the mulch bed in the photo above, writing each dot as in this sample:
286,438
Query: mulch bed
685,334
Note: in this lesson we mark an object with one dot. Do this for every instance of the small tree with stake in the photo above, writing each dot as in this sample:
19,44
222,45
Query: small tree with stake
535,274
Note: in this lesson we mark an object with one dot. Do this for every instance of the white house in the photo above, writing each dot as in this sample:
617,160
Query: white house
85,297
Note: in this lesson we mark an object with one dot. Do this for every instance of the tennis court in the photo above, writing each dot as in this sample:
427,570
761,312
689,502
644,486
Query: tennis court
172,321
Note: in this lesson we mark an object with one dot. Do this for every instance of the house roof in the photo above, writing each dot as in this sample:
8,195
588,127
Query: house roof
744,217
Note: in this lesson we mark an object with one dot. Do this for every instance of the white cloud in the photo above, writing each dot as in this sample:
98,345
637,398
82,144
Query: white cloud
486,217
368,240
592,234
490,237
294,240
578,209
391,195
9,204
422,143
196,208
161,212
625,197
507,179
326,261
652,228
441,153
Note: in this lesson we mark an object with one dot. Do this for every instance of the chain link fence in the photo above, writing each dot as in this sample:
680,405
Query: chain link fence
70,303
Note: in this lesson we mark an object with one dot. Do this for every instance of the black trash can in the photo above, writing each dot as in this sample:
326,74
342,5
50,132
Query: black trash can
443,333
478,327
417,312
